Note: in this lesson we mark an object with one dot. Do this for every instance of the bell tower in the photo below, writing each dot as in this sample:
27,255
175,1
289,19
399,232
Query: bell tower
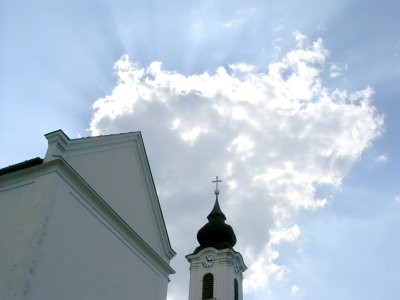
216,269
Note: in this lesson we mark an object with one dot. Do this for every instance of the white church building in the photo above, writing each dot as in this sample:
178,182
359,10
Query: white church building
83,223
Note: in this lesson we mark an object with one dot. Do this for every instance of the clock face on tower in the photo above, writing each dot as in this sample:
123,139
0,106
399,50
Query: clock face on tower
208,260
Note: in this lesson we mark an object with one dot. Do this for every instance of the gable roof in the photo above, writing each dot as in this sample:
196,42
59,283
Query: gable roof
127,148
22,165
86,157
90,199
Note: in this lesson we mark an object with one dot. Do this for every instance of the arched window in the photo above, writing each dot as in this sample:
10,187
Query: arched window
236,289
208,286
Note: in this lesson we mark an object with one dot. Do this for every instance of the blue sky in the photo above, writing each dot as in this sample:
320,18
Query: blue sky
249,77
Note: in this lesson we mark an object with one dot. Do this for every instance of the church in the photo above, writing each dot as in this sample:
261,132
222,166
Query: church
85,222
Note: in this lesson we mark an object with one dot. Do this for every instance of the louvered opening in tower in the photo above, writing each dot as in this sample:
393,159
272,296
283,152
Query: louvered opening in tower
236,289
208,286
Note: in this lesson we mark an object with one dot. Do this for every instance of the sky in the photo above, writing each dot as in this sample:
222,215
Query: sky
293,104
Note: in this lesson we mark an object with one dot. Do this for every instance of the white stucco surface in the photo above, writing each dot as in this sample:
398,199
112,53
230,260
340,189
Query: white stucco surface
223,272
116,167
84,224
22,208
116,176
80,258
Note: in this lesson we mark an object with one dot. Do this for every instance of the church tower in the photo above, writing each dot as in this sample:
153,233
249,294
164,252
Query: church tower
216,269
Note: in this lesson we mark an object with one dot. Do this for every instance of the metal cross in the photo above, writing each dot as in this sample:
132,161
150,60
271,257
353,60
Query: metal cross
216,185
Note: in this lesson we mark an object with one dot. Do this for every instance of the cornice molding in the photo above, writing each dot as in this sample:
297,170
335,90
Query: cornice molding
61,146
95,204
227,255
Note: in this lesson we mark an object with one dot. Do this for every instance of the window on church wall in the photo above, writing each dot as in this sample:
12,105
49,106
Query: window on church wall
236,289
208,286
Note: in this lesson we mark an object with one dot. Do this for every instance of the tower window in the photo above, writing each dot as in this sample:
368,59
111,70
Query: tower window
236,289
208,286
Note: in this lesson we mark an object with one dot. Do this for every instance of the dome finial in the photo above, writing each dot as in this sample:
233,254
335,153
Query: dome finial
216,233
216,192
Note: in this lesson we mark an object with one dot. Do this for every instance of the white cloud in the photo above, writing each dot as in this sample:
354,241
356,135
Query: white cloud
295,290
263,269
192,134
240,17
242,145
277,236
335,71
382,158
272,137
241,67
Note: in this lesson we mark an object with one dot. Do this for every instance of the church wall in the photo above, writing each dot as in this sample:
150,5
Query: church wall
80,257
23,205
115,174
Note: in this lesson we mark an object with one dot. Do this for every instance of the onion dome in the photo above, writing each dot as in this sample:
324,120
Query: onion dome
216,233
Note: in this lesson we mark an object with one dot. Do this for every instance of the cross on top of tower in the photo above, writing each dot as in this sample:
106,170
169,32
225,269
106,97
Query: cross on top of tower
216,192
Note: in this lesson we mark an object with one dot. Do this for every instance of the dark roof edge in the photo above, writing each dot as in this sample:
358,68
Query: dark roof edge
22,165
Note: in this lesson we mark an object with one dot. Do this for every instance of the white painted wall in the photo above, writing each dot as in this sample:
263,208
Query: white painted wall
22,208
116,176
55,245
116,167
80,258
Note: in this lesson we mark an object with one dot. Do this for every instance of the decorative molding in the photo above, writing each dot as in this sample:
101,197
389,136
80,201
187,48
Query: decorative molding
60,145
225,256
96,205
14,186
157,216
109,216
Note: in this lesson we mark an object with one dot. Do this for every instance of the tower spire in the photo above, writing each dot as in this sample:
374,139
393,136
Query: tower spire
216,211
216,233
216,269
216,192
